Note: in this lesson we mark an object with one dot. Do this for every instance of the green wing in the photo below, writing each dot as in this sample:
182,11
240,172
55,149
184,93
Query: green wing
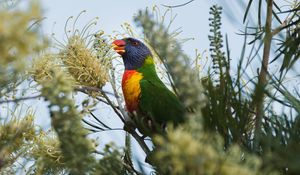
158,102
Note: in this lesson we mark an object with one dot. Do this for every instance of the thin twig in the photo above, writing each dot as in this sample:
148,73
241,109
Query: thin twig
282,26
169,76
127,157
113,107
279,28
105,102
140,142
131,168
262,77
113,84
91,89
103,124
85,89
92,125
180,5
19,99
112,129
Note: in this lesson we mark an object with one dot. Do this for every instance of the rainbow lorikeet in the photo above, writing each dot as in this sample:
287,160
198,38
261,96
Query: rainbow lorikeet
147,99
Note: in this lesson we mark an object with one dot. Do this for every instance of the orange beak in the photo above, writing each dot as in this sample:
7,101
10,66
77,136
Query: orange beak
119,46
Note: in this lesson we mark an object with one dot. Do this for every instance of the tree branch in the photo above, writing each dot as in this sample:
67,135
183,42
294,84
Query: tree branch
91,89
282,26
19,99
86,89
105,102
279,28
140,141
180,5
262,77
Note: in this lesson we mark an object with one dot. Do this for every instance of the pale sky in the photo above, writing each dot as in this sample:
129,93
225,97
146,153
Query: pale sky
193,18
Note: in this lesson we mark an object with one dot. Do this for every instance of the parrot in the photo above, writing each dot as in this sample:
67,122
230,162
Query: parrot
149,102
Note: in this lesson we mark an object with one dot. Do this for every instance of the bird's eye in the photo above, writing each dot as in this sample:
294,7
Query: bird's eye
135,43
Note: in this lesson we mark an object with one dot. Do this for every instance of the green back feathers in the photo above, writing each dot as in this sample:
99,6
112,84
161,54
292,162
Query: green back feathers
156,100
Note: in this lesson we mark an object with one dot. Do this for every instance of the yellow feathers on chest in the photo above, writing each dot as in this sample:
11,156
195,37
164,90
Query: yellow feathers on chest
131,88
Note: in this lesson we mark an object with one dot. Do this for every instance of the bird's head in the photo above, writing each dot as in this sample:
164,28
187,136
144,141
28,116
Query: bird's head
133,52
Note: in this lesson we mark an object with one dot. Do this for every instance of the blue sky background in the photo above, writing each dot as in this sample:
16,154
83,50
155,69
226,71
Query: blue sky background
193,17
